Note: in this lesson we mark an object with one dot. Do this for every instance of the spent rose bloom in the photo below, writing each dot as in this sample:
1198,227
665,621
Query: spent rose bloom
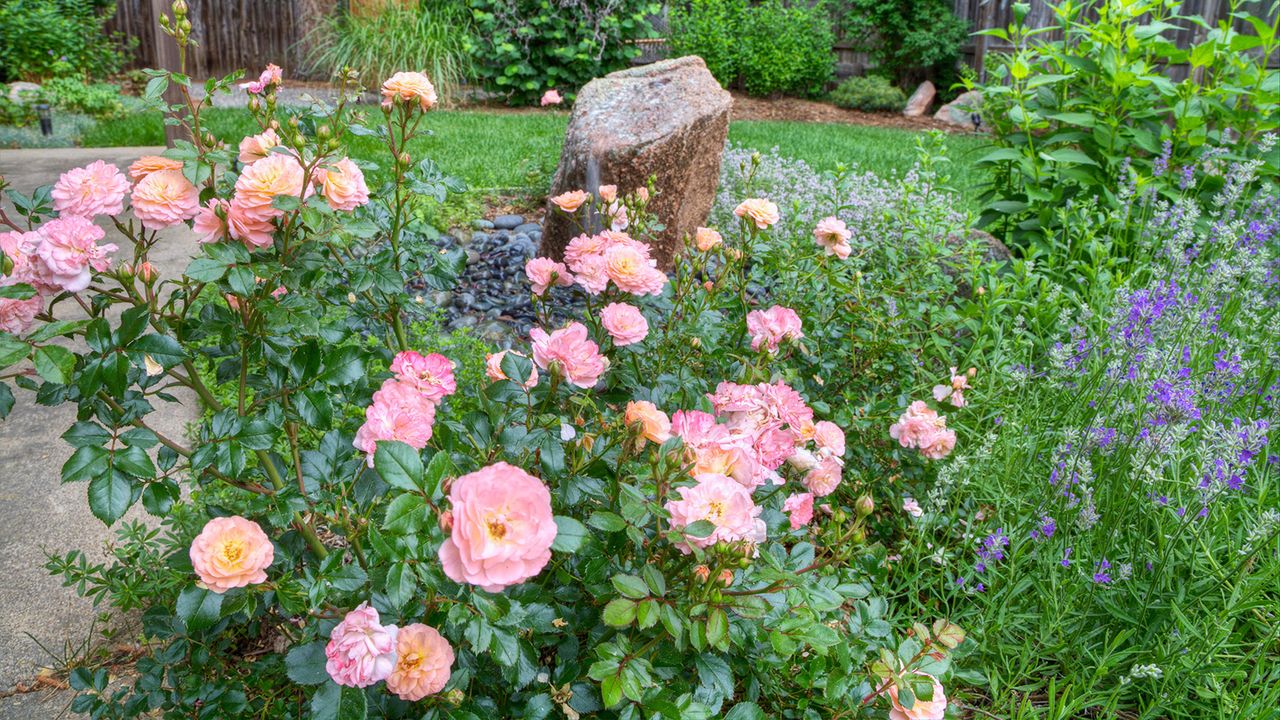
410,88
633,271
624,323
582,247
569,348
706,239
833,235
770,327
911,507
361,650
763,213
551,97
95,189
17,316
724,503
543,272
231,552
255,147
502,528
954,392
69,251
799,508
935,709
823,479
210,224
915,425
250,230
264,180
22,249
570,201
342,185
431,374
164,198
652,423
400,411
148,164
424,659
493,368
939,445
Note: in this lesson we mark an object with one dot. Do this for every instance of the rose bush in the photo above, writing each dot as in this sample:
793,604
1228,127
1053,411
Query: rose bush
640,514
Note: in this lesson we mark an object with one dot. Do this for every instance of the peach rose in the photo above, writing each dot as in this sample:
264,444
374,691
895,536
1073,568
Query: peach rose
653,423
544,272
607,193
164,198
502,528
255,147
210,224
723,502
934,709
570,201
251,231
759,211
954,392
706,239
493,368
823,479
262,181
342,185
409,88
624,323
633,271
833,235
423,663
572,351
95,189
69,252
148,164
272,76
231,552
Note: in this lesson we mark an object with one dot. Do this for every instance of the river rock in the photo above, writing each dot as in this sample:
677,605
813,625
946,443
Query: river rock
920,100
960,111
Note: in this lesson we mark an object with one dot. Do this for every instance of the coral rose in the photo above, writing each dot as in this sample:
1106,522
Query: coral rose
799,509
935,709
551,97
624,323
823,479
633,271
164,198
833,235
17,316
342,185
263,181
652,422
400,411
231,552
148,164
770,327
493,368
570,201
69,252
572,351
95,189
210,224
255,147
502,528
763,213
251,231
607,193
543,272
431,374
410,88
706,239
361,650
724,503
423,663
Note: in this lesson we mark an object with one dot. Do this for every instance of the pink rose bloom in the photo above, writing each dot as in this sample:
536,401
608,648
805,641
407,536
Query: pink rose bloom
279,292
272,76
939,445
582,247
95,189
693,426
262,181
617,214
164,198
918,423
255,147
911,507
953,393
431,374
22,249
770,327
652,422
624,323
762,213
590,274
607,193
833,235
423,663
725,504
632,271
148,164
829,438
493,368
70,251
409,88
731,455
935,709
799,509
17,316
251,231
210,224
361,650
570,349
570,201
400,412
543,272
502,528
706,239
823,479
231,552
342,185
551,97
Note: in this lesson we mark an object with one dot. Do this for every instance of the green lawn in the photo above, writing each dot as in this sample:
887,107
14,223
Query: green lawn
504,152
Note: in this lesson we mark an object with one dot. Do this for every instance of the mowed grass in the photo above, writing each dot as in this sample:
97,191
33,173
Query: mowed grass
503,152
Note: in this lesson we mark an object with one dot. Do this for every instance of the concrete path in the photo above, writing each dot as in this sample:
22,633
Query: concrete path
37,513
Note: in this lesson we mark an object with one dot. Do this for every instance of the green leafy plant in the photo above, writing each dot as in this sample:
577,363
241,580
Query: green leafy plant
40,39
871,93
97,100
909,40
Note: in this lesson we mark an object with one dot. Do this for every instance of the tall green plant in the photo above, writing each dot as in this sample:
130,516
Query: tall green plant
40,39
909,40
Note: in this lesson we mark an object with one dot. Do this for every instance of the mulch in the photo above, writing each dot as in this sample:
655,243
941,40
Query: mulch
789,109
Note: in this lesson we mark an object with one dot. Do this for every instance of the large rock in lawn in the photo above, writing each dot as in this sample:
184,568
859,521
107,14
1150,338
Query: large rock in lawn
960,111
668,121
920,100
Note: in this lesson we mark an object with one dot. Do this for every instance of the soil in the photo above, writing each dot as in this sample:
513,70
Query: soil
746,107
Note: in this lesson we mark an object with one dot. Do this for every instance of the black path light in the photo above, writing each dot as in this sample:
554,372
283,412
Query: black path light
46,118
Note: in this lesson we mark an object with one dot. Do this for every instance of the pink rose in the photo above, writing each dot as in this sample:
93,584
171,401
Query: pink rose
939,445
431,374
409,88
251,231
762,213
823,479
342,185
231,552
829,438
400,412
723,502
551,97
935,709
607,193
164,198
833,235
69,251
582,247
633,271
911,507
95,189
423,663
571,350
921,427
17,316
770,327
361,651
210,224
493,368
652,422
706,239
799,507
502,528
271,77
261,182
624,323
148,164
22,249
590,274
570,201
954,392
255,147
544,272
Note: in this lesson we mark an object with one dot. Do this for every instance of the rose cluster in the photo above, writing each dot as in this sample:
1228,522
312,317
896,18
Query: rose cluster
404,408
414,660
921,427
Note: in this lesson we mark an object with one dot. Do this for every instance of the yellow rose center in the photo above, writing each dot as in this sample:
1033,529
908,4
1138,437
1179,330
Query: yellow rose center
410,661
497,530
233,551
715,510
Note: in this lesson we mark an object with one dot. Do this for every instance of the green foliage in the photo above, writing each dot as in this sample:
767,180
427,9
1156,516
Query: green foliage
1069,114
427,37
522,48
97,100
909,40
765,48
40,39
870,93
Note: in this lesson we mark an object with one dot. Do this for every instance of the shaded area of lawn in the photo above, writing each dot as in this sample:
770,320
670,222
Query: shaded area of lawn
510,152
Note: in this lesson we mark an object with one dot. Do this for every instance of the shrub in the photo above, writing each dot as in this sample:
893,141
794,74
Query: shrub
40,39
764,48
97,100
426,36
522,48
909,40
870,93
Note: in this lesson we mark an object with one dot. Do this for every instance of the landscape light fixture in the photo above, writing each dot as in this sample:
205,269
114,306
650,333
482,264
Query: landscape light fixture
46,119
